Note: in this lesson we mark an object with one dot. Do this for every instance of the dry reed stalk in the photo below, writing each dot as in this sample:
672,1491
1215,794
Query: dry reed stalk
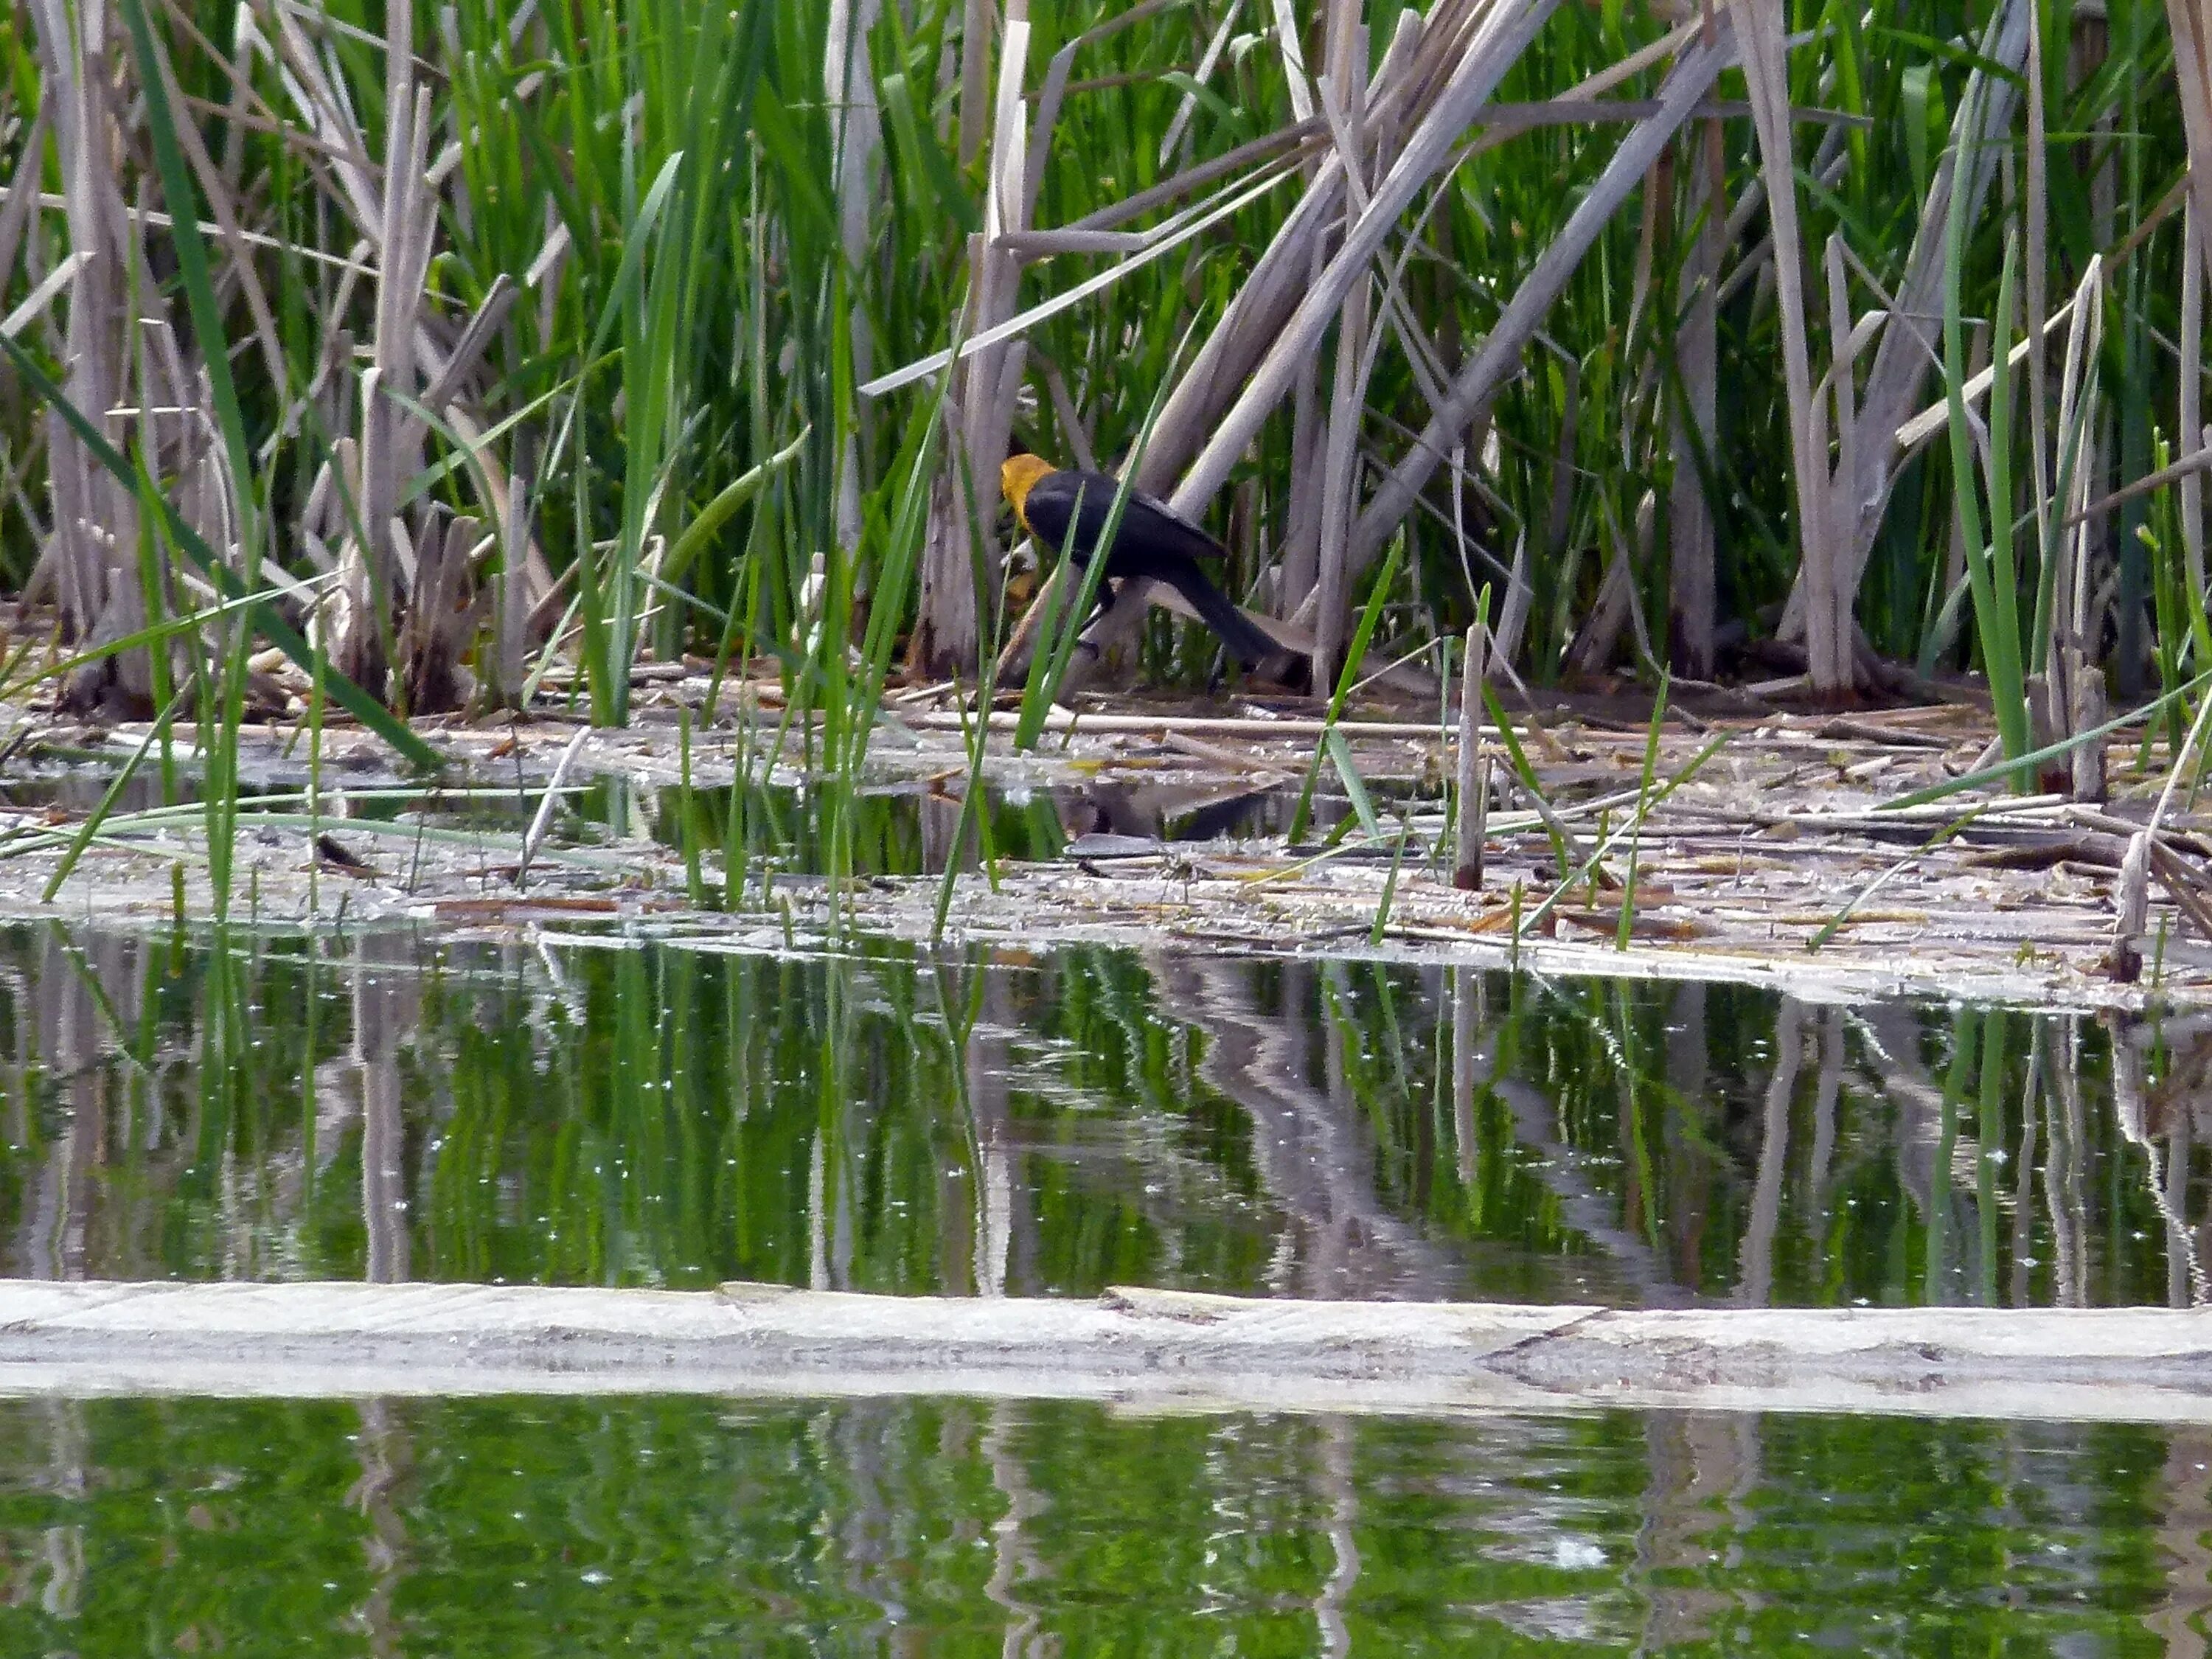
1929,423
1208,62
92,542
376,567
448,377
1955,548
2192,64
2076,409
503,685
2038,300
1691,589
1756,265
1598,637
1054,91
1508,28
963,503
1827,636
49,287
329,116
442,619
1263,728
1241,338
2147,854
1473,776
21,198
1292,265
1686,86
1344,59
1298,568
2193,67
1384,129
1348,396
1064,411
1901,365
230,235
1294,67
1274,324
1285,271
977,19
2194,464
1846,340
855,141
1299,134
2191,369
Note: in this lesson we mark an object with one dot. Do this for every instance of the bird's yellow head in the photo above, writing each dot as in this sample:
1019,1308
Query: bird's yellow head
1016,475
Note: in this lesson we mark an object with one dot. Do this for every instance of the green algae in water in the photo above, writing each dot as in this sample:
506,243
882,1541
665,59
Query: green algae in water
603,1525
392,1105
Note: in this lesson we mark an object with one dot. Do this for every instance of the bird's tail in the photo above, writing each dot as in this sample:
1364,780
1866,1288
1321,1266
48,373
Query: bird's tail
1245,640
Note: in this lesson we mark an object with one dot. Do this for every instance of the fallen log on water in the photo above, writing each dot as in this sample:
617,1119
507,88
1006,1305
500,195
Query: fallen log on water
1143,1349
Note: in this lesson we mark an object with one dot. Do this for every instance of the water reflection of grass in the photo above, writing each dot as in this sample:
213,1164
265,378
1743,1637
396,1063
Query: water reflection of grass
554,1526
382,1104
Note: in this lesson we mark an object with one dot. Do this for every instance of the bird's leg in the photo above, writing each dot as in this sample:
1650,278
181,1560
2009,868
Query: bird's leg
1109,592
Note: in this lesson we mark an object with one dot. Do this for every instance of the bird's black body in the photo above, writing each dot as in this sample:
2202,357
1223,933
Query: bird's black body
1152,541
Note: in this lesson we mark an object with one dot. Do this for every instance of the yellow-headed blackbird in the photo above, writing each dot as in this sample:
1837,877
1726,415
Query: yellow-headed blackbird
1152,541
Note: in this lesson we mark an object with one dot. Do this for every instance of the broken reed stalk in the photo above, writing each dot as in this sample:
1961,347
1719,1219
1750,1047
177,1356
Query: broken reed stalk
1474,774
2146,855
542,820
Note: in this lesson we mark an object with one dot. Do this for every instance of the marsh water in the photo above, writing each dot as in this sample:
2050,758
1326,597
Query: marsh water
597,1108
534,1528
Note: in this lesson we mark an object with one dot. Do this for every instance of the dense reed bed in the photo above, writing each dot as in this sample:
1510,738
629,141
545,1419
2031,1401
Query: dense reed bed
405,354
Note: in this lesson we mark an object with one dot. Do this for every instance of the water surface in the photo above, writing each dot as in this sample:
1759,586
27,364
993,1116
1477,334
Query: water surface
389,1105
591,1526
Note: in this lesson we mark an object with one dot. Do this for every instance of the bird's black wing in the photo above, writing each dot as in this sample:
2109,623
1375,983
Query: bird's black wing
1153,541
1150,532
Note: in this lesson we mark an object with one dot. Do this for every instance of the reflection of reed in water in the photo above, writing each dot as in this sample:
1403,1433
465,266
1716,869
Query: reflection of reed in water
2066,1170
1584,1208
2184,1526
1755,1256
998,1188
1700,1466
2023,1197
514,1111
866,1446
80,998
386,1451
2167,1120
1340,1490
1952,1175
1827,1093
1311,1147
1014,1559
384,1005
